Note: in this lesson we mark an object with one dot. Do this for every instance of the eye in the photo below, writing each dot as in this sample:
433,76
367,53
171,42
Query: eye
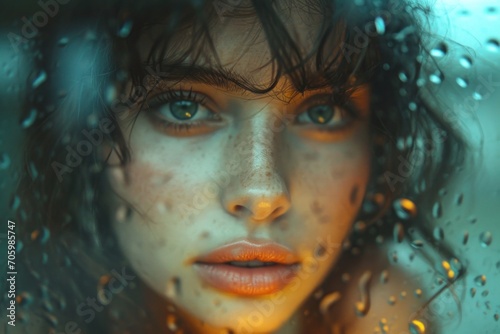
326,116
182,111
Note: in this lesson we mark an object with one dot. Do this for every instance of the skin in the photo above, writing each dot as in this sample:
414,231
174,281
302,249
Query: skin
254,174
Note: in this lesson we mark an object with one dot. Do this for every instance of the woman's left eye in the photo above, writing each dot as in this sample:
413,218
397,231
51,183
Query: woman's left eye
325,116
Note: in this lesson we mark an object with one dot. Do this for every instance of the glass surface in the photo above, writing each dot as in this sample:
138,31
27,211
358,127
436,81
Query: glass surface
237,166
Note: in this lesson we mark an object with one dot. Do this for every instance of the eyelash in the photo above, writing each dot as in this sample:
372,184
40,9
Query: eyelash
346,109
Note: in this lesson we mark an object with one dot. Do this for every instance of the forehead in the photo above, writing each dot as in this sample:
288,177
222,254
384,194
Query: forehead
238,41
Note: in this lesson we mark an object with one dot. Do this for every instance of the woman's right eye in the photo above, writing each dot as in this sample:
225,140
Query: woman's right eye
181,111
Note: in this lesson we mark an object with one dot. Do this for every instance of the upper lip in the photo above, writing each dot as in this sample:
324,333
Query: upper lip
250,250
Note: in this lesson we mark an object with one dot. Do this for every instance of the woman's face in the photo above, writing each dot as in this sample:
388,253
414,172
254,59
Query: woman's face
274,178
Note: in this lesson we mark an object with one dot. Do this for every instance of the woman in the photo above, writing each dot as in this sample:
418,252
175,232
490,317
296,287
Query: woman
216,158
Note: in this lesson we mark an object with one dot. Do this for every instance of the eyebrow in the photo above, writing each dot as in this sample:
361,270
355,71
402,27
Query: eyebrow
219,77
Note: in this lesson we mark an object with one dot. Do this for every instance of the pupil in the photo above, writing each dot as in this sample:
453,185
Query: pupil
183,110
320,114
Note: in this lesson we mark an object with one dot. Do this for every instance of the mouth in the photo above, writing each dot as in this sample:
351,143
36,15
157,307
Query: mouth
248,268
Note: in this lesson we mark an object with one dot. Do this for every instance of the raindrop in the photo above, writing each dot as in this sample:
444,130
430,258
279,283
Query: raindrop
436,78
420,82
496,316
473,292
172,322
485,294
405,208
438,233
403,77
40,79
173,287
380,25
15,203
486,238
491,10
466,238
480,280
104,296
42,235
437,210
492,45
477,96
328,301
459,200
391,300
498,265
417,327
111,94
19,246
24,298
418,293
464,83
363,306
398,232
125,29
4,161
51,319
123,213
466,61
384,276
417,244
440,50
384,327
63,41
30,119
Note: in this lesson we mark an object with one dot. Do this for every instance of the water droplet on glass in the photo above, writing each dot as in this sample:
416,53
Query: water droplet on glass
125,29
418,293
40,79
15,203
380,25
384,327
30,119
486,238
173,287
417,244
480,280
492,45
496,316
436,78
4,161
172,322
63,41
363,305
477,96
42,235
459,200
466,61
51,319
464,83
24,298
498,265
417,327
405,208
104,296
391,300
437,210
473,292
328,301
403,77
438,233
466,238
440,50
485,293
384,276
398,232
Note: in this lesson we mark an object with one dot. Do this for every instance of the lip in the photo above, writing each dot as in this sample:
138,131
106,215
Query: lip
214,269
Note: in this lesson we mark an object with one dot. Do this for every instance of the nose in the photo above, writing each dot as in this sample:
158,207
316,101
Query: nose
257,190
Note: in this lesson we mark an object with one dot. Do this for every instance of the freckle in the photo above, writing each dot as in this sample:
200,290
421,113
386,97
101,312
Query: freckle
354,194
316,208
204,235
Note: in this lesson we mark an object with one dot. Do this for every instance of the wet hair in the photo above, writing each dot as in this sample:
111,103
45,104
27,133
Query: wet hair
375,42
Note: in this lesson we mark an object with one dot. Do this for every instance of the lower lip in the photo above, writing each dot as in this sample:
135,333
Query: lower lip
247,281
